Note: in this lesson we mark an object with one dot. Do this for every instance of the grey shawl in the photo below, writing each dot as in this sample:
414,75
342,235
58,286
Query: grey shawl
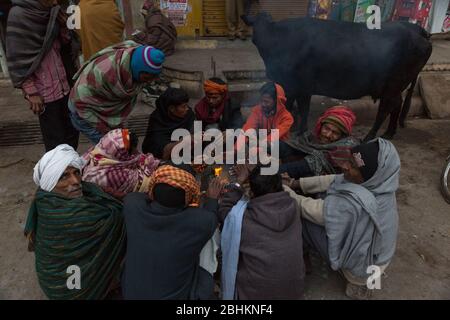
230,243
317,153
30,32
361,221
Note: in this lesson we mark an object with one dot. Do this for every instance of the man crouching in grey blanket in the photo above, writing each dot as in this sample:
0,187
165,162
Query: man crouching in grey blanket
355,226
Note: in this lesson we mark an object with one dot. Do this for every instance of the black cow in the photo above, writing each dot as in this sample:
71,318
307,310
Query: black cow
343,60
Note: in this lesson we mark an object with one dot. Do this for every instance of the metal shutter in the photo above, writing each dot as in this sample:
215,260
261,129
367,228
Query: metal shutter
214,23
282,9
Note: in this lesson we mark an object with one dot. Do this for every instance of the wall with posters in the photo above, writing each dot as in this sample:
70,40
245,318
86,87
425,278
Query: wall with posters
440,11
387,9
361,14
321,9
446,24
347,9
414,11
195,18
185,14
176,11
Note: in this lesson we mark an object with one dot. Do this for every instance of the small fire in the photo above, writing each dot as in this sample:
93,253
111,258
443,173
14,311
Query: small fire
217,171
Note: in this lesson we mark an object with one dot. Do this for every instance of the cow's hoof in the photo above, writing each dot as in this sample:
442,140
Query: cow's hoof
388,136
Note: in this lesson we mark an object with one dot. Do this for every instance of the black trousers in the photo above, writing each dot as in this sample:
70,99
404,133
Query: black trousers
56,127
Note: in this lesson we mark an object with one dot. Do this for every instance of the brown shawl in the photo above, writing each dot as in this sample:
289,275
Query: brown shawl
30,32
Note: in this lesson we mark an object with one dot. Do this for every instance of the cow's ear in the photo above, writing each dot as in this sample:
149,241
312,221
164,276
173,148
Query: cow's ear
248,20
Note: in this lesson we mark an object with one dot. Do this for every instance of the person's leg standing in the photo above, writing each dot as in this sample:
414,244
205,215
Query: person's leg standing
230,12
241,27
83,126
71,135
52,128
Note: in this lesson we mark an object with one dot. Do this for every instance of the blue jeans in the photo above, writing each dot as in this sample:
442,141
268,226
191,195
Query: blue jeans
84,126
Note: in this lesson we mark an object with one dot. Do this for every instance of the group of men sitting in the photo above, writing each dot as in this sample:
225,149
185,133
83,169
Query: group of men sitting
136,223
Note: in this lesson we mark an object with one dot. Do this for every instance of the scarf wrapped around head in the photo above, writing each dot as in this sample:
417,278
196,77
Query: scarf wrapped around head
148,5
212,87
363,156
340,116
340,154
177,178
203,111
53,164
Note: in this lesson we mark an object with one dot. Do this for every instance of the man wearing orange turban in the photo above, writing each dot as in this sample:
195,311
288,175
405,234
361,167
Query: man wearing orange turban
217,109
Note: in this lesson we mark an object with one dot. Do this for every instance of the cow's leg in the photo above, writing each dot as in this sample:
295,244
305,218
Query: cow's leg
383,111
407,104
303,103
395,106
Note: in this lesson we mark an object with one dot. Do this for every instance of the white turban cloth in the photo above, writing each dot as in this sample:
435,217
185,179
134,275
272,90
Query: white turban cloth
53,164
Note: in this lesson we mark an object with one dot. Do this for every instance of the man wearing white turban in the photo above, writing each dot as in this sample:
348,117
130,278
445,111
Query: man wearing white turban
74,223
59,171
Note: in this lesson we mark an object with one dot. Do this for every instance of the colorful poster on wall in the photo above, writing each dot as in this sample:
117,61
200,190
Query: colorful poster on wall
335,13
320,9
312,5
176,11
414,11
348,8
361,14
422,14
177,5
446,24
387,9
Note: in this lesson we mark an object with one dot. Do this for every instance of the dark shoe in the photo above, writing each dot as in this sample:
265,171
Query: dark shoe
231,37
357,292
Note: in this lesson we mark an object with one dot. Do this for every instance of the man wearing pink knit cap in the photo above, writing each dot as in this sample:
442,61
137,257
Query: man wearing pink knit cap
108,84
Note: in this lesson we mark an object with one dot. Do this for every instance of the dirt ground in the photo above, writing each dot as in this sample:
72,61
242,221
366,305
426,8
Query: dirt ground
420,269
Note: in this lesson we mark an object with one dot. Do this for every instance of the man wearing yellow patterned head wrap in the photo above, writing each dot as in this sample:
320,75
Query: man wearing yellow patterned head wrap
165,235
179,179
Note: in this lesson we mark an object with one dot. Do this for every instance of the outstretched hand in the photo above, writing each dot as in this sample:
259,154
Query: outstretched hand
240,172
290,182
215,188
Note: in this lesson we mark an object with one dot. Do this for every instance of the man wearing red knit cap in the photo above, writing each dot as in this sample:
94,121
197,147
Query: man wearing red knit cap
333,130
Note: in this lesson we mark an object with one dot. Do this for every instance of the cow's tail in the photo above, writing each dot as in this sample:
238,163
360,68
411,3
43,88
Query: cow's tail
407,104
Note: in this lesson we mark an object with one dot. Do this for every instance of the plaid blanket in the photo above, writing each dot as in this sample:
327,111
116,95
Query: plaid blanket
88,232
104,92
109,165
